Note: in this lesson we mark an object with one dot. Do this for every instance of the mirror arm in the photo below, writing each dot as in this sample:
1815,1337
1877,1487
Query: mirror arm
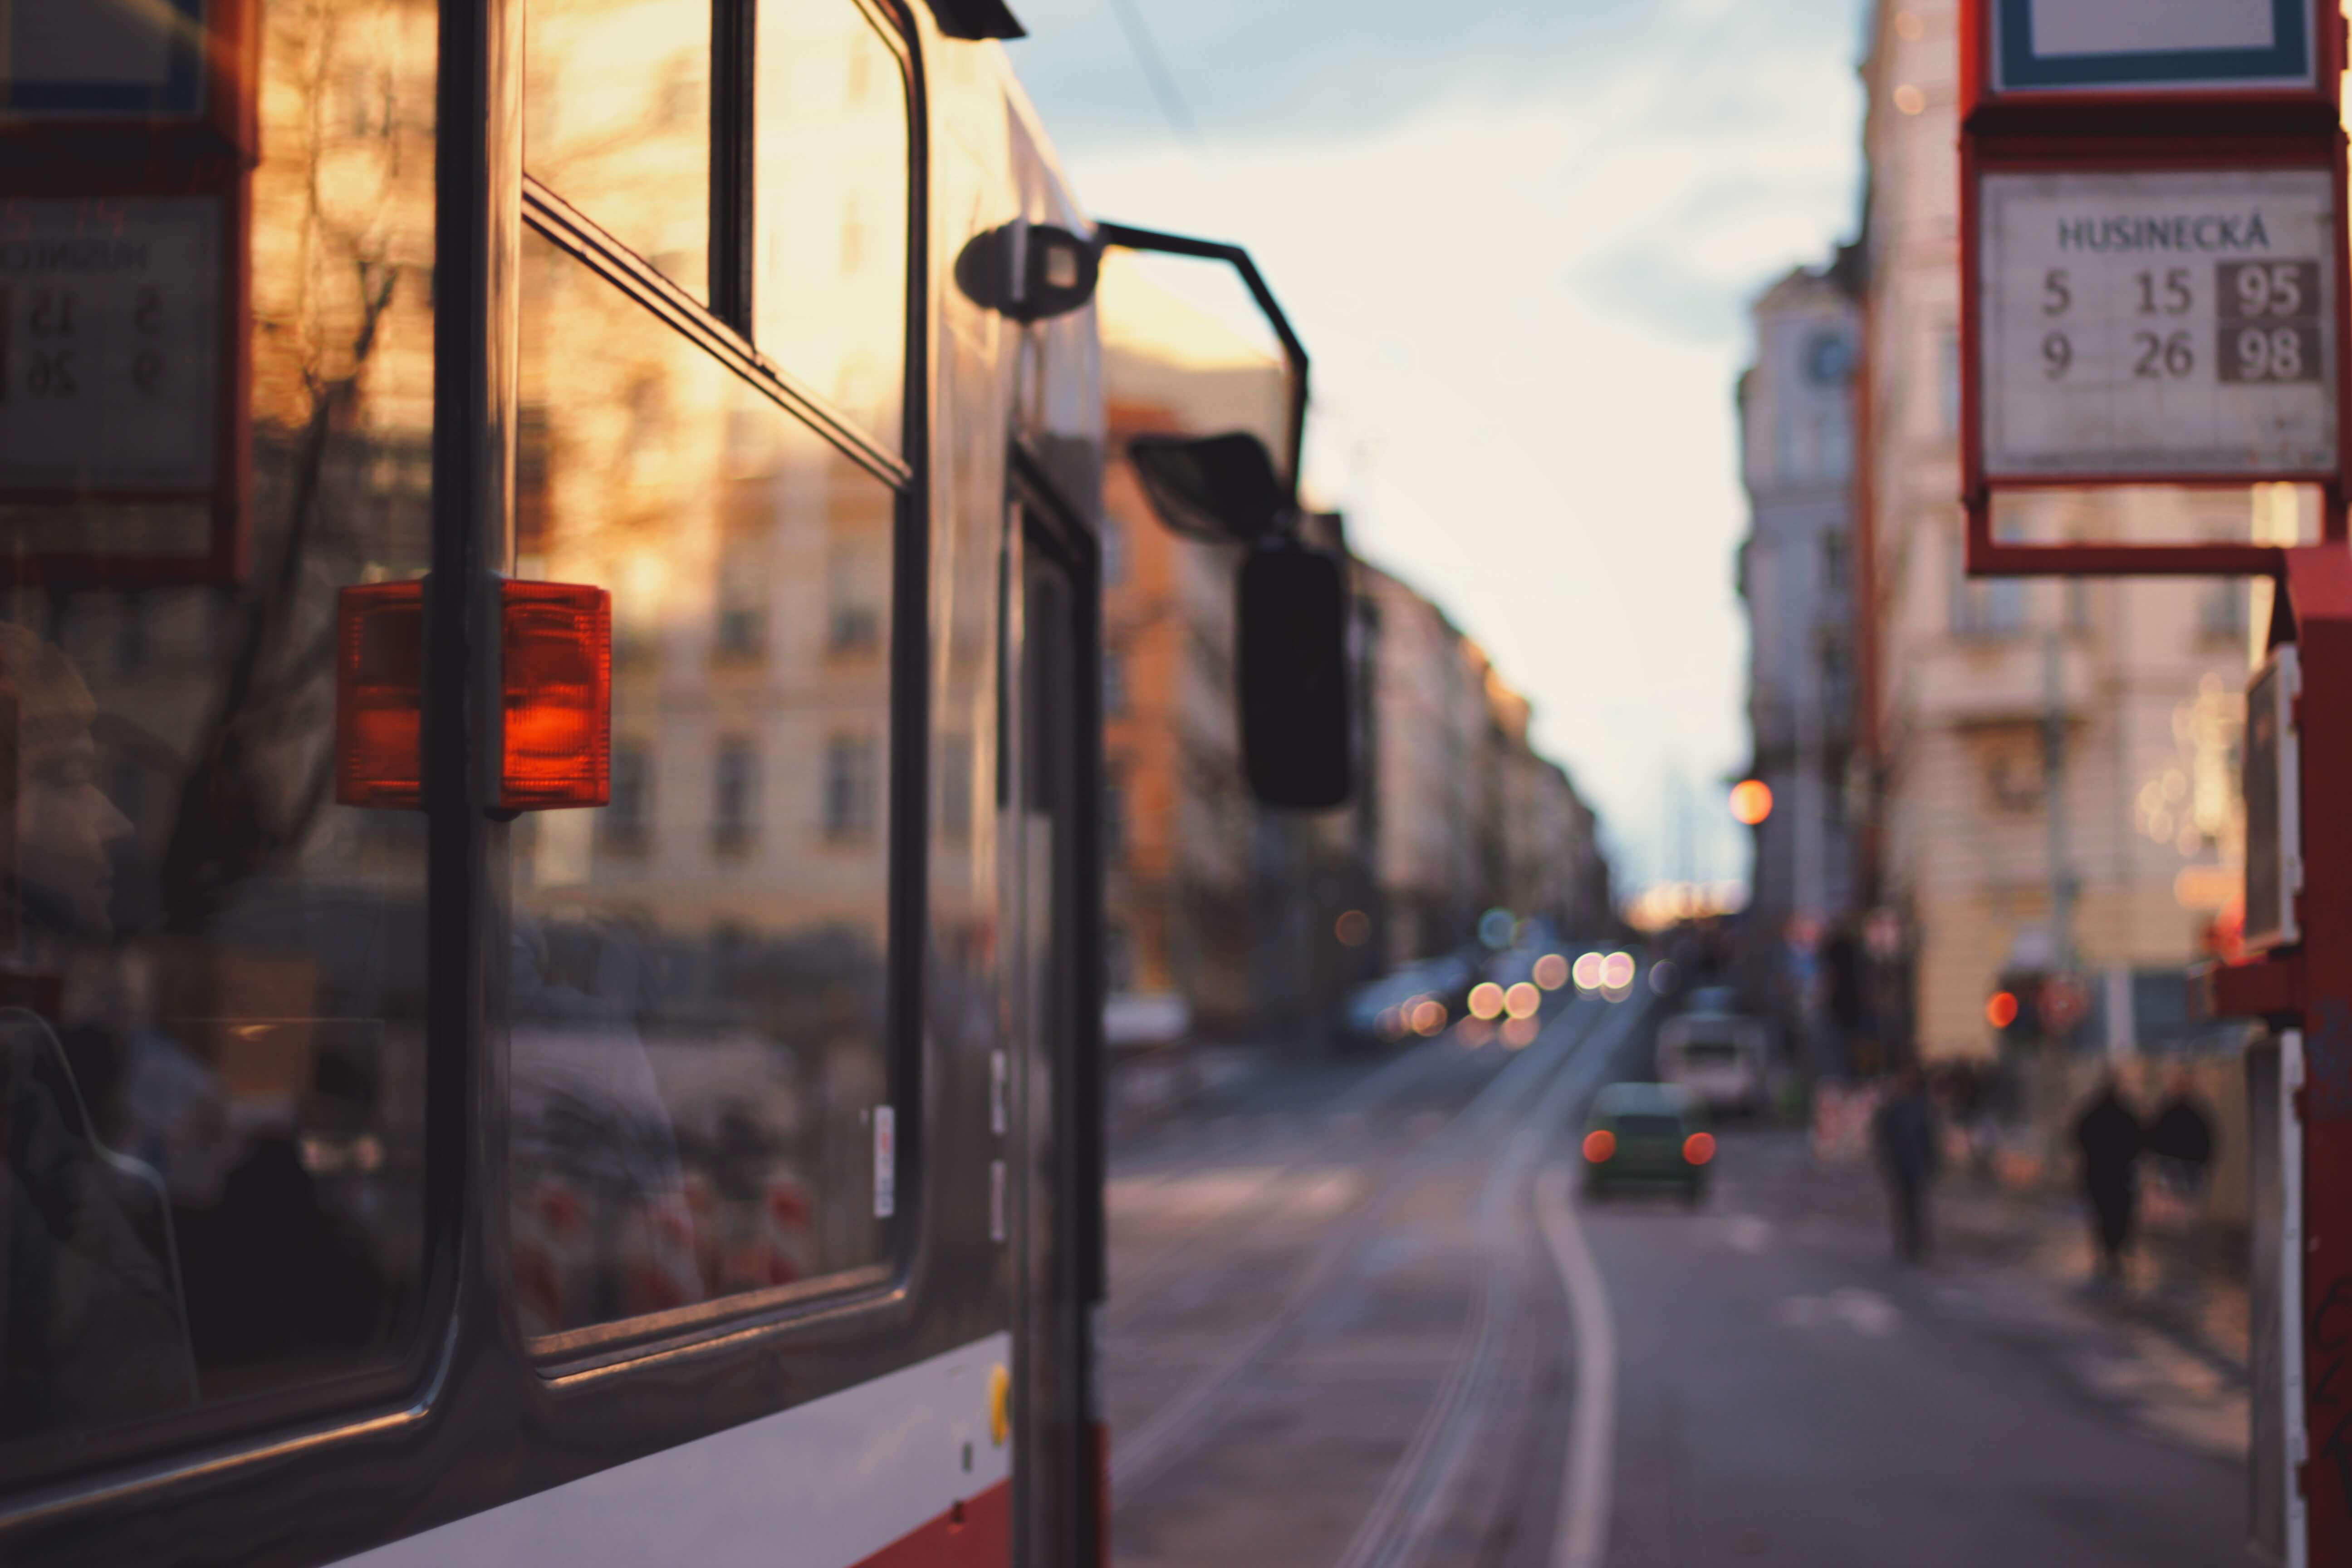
1293,351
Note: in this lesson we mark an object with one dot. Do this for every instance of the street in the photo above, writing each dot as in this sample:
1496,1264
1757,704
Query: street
1340,1331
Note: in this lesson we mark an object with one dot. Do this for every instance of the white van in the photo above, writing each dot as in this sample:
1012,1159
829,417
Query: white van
1716,1053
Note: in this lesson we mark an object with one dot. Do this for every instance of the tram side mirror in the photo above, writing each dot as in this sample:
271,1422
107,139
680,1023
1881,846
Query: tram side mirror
1293,670
1221,488
1028,271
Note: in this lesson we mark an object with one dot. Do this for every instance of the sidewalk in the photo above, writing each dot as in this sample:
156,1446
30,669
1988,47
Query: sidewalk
2170,1340
2183,1279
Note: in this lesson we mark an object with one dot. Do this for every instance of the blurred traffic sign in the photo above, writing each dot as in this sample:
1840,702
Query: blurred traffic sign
2064,1002
2047,46
2171,323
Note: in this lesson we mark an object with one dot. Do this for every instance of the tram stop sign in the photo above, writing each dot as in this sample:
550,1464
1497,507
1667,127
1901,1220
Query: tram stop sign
2166,324
2153,259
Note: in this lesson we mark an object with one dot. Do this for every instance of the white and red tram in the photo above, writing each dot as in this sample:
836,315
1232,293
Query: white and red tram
548,625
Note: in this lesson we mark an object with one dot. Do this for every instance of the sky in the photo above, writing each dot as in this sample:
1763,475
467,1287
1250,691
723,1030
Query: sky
1518,239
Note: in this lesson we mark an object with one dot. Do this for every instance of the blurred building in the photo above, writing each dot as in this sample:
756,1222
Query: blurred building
1971,686
1468,816
1225,919
1796,418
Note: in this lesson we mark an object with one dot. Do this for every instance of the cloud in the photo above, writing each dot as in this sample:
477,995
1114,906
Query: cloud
1525,303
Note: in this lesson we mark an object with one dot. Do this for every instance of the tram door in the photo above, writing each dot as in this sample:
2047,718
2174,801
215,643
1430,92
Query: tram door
1047,821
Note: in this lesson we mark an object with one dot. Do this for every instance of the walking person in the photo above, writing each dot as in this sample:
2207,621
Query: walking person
2110,1139
2181,1140
1904,1134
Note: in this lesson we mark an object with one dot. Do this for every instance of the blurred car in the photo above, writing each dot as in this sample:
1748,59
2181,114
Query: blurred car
1715,1052
1647,1135
1416,1001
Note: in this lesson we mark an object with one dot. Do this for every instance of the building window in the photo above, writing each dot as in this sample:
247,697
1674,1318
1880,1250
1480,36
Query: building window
622,824
851,787
1833,566
855,580
735,794
739,633
1984,607
2222,609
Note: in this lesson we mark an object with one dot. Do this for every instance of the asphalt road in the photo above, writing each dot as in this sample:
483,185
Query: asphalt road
1342,1331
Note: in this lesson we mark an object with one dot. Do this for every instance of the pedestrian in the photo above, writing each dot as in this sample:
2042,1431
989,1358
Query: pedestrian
1903,1132
2109,1138
2181,1139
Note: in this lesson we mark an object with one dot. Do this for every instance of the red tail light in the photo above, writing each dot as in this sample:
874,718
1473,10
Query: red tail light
556,642
379,695
1599,1146
1698,1148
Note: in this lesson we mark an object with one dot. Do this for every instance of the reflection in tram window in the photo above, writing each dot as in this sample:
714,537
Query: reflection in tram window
212,1068
616,121
829,246
698,1046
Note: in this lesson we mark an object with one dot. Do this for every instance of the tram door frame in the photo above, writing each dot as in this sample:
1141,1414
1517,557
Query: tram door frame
1052,1187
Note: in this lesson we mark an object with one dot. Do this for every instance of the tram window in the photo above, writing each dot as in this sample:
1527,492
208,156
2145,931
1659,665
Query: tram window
697,1012
829,214
211,977
617,121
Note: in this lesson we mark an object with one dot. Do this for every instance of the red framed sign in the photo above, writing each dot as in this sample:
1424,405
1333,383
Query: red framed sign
2098,53
125,147
2153,281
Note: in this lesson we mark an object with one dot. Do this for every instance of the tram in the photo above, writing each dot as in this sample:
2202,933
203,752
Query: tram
548,621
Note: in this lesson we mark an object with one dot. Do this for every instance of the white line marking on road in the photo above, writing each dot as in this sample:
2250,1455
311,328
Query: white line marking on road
1580,1540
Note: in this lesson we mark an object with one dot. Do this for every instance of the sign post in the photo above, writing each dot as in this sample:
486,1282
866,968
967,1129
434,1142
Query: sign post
2154,291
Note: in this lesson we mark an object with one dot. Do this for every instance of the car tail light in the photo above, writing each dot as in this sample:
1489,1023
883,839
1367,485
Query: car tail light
379,695
1599,1146
557,646
1698,1148
556,649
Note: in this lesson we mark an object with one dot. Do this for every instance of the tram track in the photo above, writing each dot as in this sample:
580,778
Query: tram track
1420,1494
1344,1119
1513,1113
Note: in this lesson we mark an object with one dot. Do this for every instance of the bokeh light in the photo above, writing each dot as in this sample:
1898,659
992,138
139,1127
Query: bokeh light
1522,1001
1588,972
1551,971
1486,1000
1751,802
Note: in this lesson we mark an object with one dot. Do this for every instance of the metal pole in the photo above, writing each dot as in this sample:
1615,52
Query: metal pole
1808,881
2053,789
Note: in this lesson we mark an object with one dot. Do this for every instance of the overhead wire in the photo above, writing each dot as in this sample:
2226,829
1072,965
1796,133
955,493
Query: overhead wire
1156,72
